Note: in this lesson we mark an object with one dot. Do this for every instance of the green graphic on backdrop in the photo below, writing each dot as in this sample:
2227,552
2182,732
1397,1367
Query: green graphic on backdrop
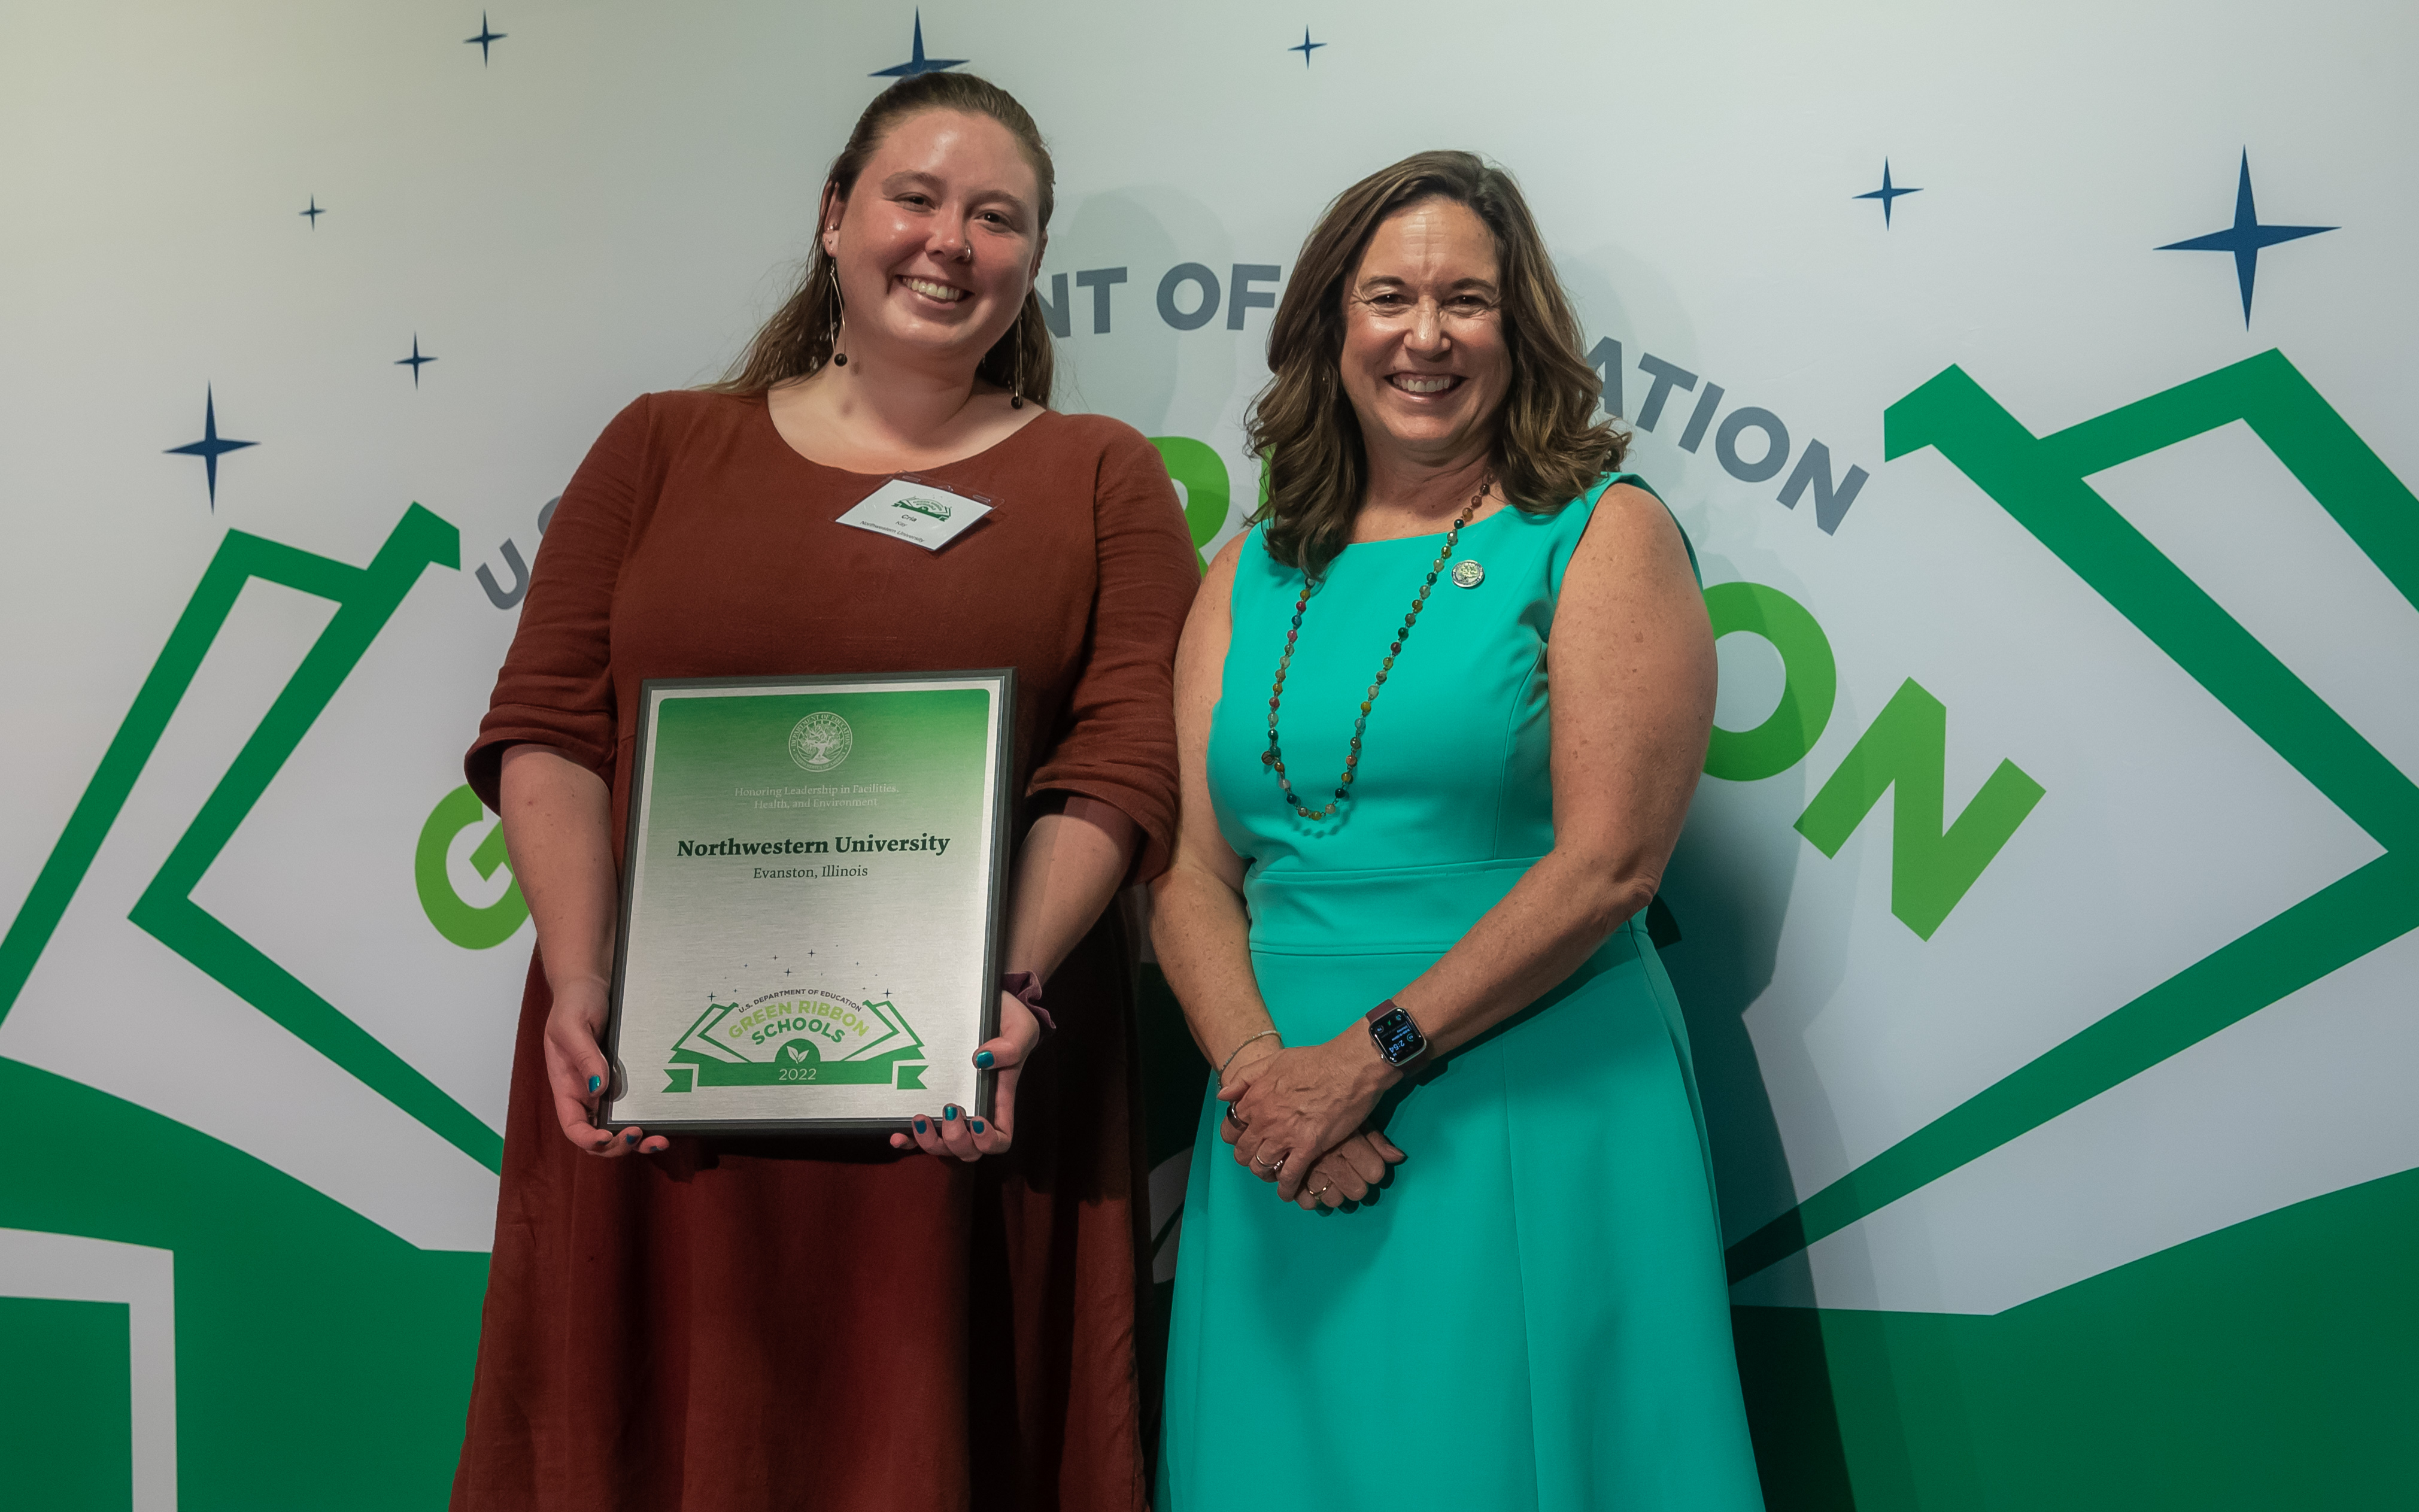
473,927
281,1293
2259,1368
2040,481
1810,681
66,1429
1198,467
322,1361
366,598
1905,751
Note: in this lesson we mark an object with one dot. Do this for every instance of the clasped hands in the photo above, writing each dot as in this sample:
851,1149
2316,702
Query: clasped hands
1299,1118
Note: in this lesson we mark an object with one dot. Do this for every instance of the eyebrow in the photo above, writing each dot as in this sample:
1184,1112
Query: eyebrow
913,178
1457,286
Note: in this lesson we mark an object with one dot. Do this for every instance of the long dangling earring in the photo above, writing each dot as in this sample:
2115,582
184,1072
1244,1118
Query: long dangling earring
839,358
1016,387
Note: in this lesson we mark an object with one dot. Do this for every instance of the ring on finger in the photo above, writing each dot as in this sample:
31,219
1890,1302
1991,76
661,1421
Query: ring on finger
1276,1164
1235,1117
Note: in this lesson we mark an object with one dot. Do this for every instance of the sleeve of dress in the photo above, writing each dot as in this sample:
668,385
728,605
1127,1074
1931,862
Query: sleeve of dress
556,687
1118,740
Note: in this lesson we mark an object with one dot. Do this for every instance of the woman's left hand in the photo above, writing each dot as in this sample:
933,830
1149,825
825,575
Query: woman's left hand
1349,1172
956,1131
1298,1105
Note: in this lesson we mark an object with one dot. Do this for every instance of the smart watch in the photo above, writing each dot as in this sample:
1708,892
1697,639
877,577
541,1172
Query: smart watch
1396,1037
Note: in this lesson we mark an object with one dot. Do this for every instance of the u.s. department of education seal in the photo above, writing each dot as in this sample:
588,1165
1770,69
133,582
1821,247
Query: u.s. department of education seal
821,741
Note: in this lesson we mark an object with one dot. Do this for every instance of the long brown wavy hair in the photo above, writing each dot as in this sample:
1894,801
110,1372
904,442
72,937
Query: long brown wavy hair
798,339
1548,447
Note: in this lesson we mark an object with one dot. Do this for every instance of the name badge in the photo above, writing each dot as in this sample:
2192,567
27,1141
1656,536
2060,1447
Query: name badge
922,513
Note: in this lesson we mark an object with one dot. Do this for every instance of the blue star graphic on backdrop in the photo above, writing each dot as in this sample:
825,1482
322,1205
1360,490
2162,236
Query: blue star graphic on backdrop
414,360
487,37
1888,193
211,446
2246,237
313,212
1307,48
916,62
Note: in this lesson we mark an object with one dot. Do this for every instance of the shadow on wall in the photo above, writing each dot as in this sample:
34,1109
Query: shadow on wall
1116,356
1728,890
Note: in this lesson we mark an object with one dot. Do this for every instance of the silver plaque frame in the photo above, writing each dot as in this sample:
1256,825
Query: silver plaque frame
834,990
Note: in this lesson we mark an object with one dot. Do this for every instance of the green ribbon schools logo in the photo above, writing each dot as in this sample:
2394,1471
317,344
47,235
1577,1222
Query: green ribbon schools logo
812,1038
922,505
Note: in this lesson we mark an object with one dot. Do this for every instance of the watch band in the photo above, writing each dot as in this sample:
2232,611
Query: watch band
1026,988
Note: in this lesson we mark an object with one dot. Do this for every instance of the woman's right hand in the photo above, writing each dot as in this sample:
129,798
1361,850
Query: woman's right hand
576,1072
1349,1172
559,832
1237,1077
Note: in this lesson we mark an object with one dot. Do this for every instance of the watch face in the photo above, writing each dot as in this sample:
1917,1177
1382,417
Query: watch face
1398,1039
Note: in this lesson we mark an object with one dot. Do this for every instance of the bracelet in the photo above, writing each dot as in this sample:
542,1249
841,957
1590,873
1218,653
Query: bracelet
1239,1050
1026,988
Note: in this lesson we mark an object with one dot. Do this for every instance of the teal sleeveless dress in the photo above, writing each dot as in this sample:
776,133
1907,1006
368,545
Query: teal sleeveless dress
1533,1312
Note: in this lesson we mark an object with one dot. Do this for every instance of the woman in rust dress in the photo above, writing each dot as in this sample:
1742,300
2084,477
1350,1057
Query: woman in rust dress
945,1322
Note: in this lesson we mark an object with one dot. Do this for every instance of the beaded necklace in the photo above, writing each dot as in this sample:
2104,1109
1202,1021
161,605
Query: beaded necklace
1273,757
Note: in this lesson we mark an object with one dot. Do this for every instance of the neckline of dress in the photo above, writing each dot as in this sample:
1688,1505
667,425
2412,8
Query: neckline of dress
1434,535
765,414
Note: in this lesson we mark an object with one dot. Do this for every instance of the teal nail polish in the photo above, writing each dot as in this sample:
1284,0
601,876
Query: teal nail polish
632,1137
983,1058
596,1082
949,1111
921,1127
976,1124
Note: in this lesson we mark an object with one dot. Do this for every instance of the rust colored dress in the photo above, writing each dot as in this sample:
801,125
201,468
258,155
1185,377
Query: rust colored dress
743,1325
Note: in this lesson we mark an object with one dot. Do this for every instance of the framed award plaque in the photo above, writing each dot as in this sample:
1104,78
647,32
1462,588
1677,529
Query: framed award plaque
810,901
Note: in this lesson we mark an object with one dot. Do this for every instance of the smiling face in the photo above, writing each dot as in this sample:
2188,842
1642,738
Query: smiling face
939,241
1426,361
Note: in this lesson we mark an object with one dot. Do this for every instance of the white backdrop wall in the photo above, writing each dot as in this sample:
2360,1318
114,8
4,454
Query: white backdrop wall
2044,923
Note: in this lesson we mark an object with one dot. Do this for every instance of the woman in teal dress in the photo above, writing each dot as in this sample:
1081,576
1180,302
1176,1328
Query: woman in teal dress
1463,1251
